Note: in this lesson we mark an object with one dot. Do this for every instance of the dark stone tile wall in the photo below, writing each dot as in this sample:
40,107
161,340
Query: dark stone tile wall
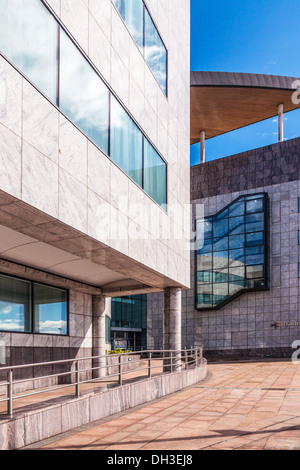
275,164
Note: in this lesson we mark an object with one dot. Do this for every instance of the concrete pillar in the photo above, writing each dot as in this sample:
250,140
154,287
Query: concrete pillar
98,332
172,328
280,123
202,146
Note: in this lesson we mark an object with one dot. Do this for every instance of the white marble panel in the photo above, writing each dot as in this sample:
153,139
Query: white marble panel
10,97
39,181
72,201
98,172
102,14
75,16
10,162
40,122
72,150
99,49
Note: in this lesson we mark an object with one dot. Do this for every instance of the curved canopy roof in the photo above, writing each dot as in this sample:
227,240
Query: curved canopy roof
222,102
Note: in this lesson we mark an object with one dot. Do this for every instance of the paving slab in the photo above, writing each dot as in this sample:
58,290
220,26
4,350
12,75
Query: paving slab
244,406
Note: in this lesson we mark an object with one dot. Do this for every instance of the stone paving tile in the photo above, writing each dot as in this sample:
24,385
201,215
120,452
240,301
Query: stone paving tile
236,408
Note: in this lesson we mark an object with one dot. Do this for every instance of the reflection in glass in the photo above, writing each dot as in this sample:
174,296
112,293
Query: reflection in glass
50,310
132,12
83,96
235,260
155,175
28,37
155,52
126,143
15,301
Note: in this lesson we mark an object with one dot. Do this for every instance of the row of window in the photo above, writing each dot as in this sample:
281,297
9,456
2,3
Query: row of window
32,39
231,251
30,307
141,27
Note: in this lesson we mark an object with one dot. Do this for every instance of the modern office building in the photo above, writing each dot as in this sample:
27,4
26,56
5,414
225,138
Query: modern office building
245,287
95,177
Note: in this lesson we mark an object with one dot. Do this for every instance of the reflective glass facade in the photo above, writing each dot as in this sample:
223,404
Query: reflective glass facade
30,307
129,322
34,42
232,252
143,30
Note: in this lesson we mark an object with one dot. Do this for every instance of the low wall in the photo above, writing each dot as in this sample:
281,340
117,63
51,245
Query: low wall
36,425
112,362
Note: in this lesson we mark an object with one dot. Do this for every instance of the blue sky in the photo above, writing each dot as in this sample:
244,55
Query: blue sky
254,36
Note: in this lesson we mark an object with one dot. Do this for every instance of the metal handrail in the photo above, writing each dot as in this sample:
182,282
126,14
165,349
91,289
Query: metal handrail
170,360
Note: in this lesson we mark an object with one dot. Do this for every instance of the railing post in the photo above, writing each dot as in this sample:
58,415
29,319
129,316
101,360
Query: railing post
149,365
10,393
77,392
196,351
171,361
120,371
186,358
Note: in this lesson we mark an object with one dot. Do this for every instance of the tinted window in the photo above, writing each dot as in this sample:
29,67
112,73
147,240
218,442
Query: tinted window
155,175
15,304
50,310
83,96
126,143
28,37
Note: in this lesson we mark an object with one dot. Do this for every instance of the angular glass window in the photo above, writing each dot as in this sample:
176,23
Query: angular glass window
84,98
236,225
255,222
29,39
126,143
254,205
15,304
155,52
50,310
235,261
155,175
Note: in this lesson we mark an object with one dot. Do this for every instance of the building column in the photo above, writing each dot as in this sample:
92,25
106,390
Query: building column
98,332
202,146
172,328
280,123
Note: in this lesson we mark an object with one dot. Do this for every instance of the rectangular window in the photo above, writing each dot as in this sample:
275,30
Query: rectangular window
29,38
15,305
83,96
155,53
30,307
155,175
144,32
50,310
126,143
132,12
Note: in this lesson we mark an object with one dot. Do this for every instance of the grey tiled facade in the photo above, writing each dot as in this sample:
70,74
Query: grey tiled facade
244,326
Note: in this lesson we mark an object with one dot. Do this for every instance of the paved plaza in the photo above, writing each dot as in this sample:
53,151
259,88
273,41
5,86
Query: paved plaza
253,405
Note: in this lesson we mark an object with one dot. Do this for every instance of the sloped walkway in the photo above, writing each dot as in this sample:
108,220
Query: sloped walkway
254,405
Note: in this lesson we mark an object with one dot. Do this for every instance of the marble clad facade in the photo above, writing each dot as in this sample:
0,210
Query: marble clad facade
56,186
